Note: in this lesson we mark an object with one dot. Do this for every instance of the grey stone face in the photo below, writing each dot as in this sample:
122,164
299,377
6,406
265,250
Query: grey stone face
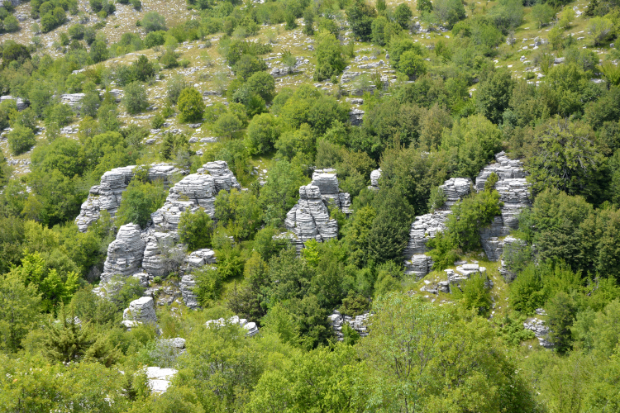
327,182
21,103
74,100
358,323
125,253
193,261
514,193
455,189
374,179
141,310
309,219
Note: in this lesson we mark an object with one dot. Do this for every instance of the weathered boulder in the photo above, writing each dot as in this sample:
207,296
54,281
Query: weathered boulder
125,253
140,311
108,194
309,218
327,182
358,323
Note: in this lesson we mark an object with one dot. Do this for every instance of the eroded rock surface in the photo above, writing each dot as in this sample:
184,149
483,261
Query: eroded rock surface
125,253
514,193
454,190
140,311
159,378
309,218
327,182
374,179
541,331
358,323
250,327
194,261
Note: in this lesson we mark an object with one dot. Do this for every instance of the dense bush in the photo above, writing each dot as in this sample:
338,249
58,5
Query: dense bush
196,229
191,106
21,139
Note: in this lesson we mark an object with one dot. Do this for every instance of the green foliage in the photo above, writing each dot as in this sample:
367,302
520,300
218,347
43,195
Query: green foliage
389,233
403,15
493,95
449,11
191,106
329,58
576,164
21,305
360,16
195,229
239,212
476,295
135,98
139,201
153,22
21,139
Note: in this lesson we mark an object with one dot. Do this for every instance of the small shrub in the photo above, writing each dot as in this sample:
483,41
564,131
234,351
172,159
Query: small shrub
196,229
135,98
191,106
21,139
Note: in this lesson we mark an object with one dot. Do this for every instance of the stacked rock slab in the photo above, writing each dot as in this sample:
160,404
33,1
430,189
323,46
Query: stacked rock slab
140,311
427,226
194,261
108,194
73,99
309,218
358,323
327,182
125,253
159,378
514,192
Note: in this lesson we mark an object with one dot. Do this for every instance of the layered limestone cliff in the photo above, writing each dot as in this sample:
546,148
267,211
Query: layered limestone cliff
108,194
327,182
157,251
309,218
514,193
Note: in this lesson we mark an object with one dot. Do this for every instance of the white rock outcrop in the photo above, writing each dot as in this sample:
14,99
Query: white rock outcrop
541,331
74,100
374,179
309,218
156,251
140,311
108,194
250,327
159,378
358,323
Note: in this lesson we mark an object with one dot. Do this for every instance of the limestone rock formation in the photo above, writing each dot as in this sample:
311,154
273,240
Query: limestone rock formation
251,327
514,192
356,117
162,255
541,331
510,248
224,178
193,261
327,182
73,99
156,251
358,323
159,378
125,253
108,194
140,311
454,190
309,218
21,103
374,179
422,229
191,193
